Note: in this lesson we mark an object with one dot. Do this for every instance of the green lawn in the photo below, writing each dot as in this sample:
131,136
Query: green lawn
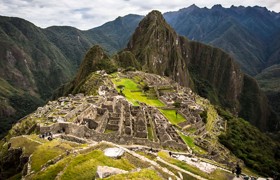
48,151
52,171
190,142
171,116
28,145
133,97
84,166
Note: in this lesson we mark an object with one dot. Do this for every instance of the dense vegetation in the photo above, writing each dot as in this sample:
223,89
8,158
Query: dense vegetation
255,148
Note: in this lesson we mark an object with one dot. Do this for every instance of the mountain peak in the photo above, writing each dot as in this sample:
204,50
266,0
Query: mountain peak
157,47
154,16
217,6
95,59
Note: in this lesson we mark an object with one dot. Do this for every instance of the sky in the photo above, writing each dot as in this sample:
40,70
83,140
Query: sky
87,14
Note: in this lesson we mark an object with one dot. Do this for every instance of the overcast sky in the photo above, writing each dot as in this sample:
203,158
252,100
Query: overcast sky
86,14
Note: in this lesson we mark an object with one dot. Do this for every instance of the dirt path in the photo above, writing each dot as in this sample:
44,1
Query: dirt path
182,170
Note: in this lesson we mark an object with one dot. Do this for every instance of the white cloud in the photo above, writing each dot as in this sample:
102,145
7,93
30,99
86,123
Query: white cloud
86,14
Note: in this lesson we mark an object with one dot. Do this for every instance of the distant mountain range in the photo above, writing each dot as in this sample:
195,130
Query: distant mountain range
36,61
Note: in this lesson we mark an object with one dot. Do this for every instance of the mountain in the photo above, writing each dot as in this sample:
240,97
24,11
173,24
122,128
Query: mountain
114,35
31,68
34,61
243,32
269,81
208,70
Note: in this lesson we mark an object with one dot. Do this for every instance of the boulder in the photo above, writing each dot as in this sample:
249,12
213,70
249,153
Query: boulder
106,171
114,152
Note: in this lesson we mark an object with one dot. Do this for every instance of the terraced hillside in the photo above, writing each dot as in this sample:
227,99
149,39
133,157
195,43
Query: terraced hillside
135,111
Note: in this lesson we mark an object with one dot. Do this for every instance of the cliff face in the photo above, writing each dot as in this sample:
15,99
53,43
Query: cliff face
208,70
219,71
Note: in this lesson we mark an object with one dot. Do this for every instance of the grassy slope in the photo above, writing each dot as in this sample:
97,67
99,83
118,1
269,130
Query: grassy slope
190,142
171,116
133,97
84,166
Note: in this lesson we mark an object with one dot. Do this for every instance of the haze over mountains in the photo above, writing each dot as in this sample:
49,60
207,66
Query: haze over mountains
36,61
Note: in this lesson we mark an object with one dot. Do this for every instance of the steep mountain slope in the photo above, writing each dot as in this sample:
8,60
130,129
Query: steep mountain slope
72,42
213,73
31,67
269,81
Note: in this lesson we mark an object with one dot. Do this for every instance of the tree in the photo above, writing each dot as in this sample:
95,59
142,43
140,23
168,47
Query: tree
146,88
121,87
177,104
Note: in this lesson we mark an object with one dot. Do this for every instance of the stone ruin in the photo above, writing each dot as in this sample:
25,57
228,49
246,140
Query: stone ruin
114,119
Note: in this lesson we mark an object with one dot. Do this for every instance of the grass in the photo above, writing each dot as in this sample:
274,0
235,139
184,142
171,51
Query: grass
139,163
190,142
147,155
52,171
108,131
84,166
48,151
171,116
190,129
28,146
150,134
144,174
135,97
211,117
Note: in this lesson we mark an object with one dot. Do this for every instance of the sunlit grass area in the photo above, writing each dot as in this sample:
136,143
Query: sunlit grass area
52,171
134,94
190,142
28,145
48,151
84,166
171,116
